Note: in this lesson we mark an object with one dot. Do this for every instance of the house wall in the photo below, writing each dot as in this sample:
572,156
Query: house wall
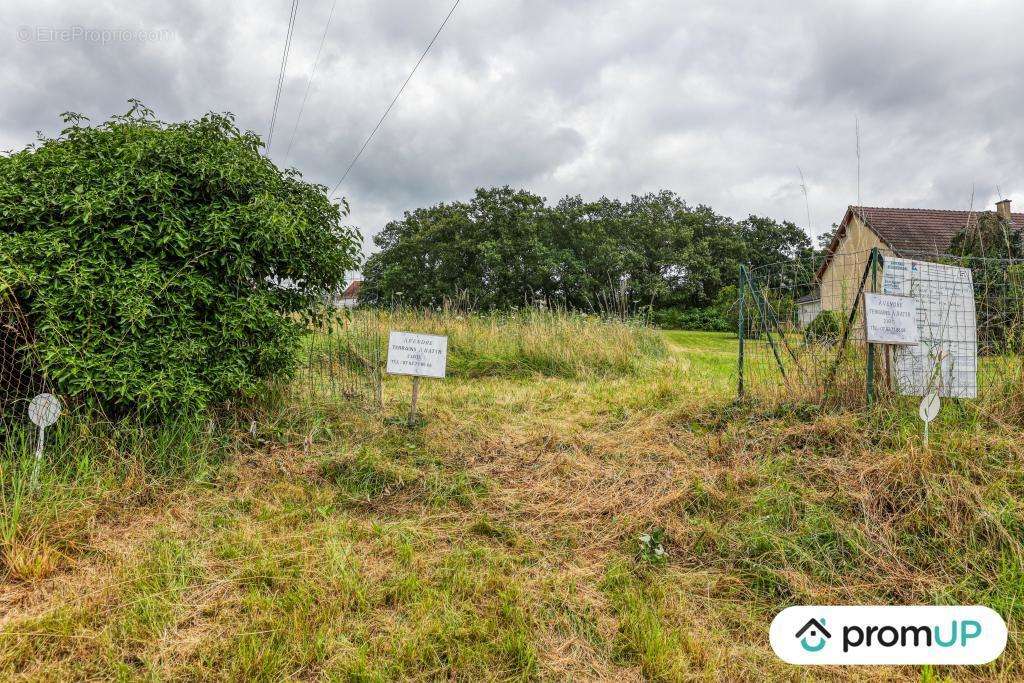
840,280
806,312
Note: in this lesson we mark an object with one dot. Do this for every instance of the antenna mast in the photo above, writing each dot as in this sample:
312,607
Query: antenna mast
856,127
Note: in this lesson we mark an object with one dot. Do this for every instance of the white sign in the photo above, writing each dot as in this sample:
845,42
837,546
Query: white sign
44,410
917,634
946,359
891,319
420,355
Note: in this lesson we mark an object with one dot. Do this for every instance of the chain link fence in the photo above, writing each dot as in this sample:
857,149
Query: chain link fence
341,359
803,335
20,378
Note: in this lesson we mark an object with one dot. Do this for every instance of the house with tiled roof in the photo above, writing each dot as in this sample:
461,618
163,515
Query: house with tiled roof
910,233
350,297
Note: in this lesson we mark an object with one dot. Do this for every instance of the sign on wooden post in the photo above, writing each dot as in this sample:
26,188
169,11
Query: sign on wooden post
417,355
891,319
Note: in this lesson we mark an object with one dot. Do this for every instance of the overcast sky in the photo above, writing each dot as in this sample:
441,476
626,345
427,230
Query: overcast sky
720,101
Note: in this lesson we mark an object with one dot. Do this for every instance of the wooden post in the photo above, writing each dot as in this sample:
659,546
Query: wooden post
888,368
415,395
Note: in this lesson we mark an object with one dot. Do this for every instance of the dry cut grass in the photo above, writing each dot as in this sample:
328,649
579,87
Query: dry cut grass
500,540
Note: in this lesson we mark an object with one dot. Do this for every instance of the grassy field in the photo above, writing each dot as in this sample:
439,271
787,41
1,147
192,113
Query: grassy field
549,519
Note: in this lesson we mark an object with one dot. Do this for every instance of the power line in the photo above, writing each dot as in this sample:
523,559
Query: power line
284,65
397,95
309,83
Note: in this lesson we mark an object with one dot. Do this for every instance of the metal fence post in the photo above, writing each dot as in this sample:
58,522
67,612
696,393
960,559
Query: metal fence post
740,327
870,379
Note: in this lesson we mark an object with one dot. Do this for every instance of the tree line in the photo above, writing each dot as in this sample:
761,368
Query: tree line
507,248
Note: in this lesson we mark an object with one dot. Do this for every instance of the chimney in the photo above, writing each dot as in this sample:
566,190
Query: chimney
1003,210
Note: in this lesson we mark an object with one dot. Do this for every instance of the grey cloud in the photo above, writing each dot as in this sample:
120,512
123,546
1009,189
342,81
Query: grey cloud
717,100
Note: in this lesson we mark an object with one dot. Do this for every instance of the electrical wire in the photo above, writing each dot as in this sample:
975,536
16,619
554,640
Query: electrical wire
395,99
284,66
309,83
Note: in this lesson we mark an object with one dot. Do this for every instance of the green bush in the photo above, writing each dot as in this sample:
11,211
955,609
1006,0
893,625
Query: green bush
164,267
719,317
826,328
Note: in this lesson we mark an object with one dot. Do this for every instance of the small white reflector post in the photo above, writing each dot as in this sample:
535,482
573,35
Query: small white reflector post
928,409
43,411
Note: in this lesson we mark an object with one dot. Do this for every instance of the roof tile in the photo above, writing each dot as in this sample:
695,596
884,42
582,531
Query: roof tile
921,231
352,291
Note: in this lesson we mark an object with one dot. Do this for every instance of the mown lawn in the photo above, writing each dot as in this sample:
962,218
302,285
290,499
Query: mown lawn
499,539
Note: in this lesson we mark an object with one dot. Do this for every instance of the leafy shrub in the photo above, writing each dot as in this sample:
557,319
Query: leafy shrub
164,267
825,328
721,316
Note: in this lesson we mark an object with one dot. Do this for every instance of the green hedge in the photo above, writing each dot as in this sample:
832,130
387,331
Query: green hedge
164,267
710,319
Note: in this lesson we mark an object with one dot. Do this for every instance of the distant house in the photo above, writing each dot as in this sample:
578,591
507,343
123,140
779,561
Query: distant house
910,233
807,309
350,297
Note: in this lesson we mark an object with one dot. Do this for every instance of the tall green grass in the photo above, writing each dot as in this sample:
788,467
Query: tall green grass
530,342
805,506
89,466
